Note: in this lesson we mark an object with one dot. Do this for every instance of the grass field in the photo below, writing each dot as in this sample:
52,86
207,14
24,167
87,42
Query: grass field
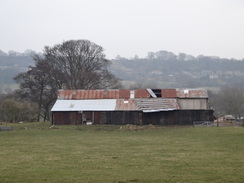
113,154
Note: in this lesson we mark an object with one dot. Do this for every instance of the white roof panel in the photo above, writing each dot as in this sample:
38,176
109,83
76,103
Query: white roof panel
85,105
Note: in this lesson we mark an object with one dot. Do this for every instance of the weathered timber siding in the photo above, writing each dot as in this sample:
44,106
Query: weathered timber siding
176,117
120,118
66,118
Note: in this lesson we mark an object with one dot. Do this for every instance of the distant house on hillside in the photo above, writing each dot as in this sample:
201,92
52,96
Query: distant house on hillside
138,107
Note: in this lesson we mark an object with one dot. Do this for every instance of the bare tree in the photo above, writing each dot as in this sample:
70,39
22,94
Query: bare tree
79,64
229,101
38,87
75,64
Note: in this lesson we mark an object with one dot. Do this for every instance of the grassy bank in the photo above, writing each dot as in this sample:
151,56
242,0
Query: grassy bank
35,153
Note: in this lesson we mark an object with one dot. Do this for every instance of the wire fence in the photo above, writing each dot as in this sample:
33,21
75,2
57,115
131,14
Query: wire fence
217,124
203,124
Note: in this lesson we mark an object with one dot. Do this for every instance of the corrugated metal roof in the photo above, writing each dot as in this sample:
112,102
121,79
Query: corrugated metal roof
90,94
143,93
102,94
168,93
85,105
65,94
145,105
109,94
127,94
174,103
126,105
192,93
156,104
87,94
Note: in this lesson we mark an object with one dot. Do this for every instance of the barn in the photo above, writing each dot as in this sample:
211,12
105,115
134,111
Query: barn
137,107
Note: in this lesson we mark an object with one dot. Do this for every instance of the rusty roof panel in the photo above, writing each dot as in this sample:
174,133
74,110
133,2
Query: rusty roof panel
192,93
64,94
143,93
101,94
87,94
124,94
93,94
111,94
168,93
126,105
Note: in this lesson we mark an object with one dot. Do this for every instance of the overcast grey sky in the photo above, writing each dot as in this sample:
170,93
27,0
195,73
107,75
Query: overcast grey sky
126,27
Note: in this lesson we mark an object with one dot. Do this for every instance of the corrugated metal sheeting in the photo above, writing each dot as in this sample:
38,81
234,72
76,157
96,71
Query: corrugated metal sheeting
193,103
145,105
102,94
85,105
126,94
192,93
126,105
169,93
157,104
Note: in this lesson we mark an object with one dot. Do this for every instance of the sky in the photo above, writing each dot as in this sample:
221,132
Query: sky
126,27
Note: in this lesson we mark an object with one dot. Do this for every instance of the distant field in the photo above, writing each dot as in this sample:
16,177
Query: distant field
121,154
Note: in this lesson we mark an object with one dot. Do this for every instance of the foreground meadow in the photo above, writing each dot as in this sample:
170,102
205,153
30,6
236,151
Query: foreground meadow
35,153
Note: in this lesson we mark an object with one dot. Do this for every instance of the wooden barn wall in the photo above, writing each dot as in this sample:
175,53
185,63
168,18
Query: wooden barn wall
97,117
120,118
178,117
66,118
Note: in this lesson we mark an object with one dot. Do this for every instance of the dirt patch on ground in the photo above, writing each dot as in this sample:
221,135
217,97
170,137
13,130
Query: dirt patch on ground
137,127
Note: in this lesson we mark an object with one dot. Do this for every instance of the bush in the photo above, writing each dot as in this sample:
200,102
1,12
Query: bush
15,111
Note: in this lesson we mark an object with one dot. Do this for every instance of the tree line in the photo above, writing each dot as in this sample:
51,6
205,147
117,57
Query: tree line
182,70
11,64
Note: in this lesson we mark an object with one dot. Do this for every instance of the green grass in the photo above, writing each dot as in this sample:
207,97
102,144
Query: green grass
35,153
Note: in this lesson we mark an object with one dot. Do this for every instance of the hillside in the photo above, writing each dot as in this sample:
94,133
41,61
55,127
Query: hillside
161,69
11,64
165,70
